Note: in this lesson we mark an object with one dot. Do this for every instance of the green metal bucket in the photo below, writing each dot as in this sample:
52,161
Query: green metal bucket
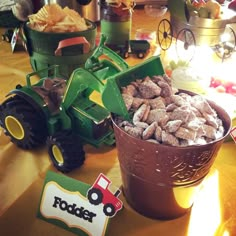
42,48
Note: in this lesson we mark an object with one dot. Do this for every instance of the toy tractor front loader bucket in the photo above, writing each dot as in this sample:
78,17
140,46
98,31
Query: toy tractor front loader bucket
115,62
83,81
111,96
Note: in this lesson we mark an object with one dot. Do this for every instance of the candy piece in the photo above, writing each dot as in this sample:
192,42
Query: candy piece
155,115
157,134
211,120
142,125
171,107
130,89
178,100
209,131
184,133
148,89
202,105
137,102
158,102
164,120
128,100
173,125
134,131
169,139
139,114
166,90
180,113
149,131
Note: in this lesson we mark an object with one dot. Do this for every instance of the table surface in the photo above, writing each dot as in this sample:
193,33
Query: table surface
22,175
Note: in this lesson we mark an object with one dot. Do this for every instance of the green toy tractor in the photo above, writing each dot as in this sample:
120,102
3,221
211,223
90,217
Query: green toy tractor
61,113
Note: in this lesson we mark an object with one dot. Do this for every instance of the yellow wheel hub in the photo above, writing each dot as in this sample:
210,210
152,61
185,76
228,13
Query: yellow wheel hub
14,127
57,154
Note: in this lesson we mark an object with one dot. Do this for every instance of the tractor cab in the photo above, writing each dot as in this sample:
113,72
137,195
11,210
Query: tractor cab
100,194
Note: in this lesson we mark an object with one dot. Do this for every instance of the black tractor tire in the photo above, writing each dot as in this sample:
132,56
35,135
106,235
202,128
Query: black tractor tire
7,39
65,151
23,123
109,210
140,55
95,196
125,55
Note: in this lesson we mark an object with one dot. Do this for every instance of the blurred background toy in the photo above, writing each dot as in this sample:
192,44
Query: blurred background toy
22,9
232,5
7,35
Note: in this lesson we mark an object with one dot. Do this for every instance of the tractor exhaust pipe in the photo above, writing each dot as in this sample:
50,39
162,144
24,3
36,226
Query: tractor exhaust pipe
117,193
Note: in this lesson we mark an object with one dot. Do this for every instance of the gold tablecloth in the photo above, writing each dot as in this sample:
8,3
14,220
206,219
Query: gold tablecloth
22,175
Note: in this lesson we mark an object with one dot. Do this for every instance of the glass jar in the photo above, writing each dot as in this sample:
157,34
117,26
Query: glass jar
116,26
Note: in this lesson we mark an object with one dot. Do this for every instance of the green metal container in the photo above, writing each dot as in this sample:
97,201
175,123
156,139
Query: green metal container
42,47
118,33
116,26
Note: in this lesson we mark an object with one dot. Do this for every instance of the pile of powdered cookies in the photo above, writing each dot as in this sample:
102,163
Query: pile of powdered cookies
162,114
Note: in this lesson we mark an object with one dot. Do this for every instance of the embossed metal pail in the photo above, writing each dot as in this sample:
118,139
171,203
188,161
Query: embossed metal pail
161,181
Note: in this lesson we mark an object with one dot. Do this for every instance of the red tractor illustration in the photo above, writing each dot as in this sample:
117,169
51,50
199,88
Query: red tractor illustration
233,133
99,193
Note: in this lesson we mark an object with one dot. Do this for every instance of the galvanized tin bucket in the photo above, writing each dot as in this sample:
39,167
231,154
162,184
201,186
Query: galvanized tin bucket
205,31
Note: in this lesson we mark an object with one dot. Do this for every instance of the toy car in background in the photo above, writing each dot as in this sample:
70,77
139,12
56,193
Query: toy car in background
139,48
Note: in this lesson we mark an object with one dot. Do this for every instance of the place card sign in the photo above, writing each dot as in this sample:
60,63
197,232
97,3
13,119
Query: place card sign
76,206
